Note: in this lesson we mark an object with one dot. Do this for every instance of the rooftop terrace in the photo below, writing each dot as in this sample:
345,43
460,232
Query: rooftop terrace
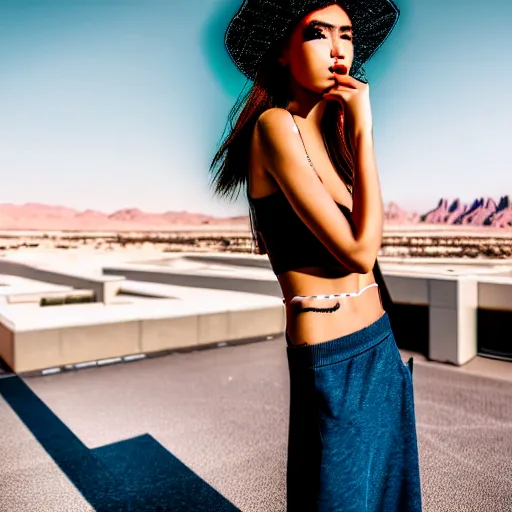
206,431
203,426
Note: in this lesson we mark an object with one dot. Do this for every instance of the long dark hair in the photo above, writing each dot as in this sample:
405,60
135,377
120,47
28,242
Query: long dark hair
271,88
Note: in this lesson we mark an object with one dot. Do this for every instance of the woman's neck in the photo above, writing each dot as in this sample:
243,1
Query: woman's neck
310,107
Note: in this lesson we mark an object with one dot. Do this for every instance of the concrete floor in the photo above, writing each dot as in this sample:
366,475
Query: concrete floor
223,415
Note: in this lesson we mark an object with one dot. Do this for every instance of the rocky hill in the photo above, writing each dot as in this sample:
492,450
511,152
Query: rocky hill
481,212
36,216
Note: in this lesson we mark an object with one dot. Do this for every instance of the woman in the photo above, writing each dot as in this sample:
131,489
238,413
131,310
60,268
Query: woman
302,146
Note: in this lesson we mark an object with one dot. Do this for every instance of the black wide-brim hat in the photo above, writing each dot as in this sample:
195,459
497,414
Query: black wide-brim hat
259,24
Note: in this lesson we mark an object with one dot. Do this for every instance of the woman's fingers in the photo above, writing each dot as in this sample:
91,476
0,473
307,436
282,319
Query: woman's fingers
344,87
341,91
355,98
348,79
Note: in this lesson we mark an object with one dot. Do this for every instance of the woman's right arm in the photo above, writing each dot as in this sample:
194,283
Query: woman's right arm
285,159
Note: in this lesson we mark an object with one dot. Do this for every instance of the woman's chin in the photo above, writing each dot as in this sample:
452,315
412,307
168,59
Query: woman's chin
318,88
322,86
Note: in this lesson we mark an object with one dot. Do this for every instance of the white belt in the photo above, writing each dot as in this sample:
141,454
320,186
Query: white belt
296,298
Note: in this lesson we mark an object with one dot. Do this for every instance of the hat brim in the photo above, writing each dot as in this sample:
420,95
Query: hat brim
259,24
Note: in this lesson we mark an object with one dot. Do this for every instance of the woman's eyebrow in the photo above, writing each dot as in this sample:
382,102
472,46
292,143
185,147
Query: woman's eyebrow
324,24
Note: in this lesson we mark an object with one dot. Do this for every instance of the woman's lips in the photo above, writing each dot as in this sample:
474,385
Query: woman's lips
340,69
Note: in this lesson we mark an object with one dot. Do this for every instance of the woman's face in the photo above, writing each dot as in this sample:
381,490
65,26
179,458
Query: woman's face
320,40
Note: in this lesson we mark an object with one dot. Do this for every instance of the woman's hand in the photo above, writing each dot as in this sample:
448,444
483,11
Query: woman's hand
354,95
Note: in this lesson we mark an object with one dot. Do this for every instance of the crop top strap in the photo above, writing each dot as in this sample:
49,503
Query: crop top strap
304,146
307,155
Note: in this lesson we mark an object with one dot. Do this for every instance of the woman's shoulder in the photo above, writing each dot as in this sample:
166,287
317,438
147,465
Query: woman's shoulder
273,116
275,123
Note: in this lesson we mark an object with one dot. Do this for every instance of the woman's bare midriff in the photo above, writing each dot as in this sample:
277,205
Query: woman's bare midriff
310,321
353,313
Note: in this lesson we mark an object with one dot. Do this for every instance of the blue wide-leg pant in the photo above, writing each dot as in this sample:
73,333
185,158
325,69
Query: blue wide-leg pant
352,443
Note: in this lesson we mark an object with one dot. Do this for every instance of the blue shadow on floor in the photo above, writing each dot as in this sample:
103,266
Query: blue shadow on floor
134,475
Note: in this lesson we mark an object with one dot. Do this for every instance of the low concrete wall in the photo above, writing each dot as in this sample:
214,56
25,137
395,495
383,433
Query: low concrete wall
453,300
32,350
7,345
35,297
232,259
496,295
453,303
105,288
239,284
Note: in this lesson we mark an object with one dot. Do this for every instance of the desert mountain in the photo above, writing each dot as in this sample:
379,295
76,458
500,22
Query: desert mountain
481,212
393,214
37,216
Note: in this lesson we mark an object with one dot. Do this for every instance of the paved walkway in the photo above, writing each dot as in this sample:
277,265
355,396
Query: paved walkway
206,431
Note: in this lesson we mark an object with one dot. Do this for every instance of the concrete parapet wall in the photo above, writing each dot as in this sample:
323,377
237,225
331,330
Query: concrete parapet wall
104,288
453,305
496,295
239,284
7,345
239,260
453,302
31,350
453,299
35,297
35,350
212,305
407,290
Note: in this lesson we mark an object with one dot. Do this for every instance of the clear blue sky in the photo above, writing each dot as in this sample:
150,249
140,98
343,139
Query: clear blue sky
121,103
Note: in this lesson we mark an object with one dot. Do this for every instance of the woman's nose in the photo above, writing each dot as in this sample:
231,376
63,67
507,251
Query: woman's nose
336,51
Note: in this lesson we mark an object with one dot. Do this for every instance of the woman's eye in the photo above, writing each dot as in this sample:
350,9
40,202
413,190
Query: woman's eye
313,33
347,37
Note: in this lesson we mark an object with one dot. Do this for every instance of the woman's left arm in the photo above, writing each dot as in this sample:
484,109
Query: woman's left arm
367,209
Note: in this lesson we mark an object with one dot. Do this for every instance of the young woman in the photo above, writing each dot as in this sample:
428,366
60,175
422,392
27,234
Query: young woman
302,146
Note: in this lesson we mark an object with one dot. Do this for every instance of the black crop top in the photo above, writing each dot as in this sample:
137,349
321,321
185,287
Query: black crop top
290,244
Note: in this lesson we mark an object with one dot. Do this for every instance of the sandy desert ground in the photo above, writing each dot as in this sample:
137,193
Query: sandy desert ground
412,241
